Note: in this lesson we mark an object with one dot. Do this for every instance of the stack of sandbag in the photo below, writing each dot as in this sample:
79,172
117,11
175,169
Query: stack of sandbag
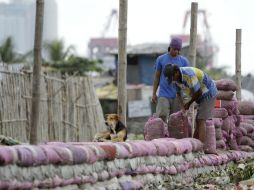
226,118
179,125
246,139
236,128
106,165
210,138
220,135
155,128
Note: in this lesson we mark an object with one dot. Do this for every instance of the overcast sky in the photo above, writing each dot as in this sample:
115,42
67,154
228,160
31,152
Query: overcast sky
156,20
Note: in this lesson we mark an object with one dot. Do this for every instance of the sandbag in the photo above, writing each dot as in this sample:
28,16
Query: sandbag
245,148
225,95
226,84
217,122
8,155
197,145
220,113
210,142
243,131
233,143
228,124
238,131
250,121
244,140
179,126
237,119
225,135
246,108
249,127
220,144
164,147
140,148
231,106
182,146
218,133
248,117
155,128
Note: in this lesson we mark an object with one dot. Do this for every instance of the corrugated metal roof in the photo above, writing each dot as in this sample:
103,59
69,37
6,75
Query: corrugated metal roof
147,48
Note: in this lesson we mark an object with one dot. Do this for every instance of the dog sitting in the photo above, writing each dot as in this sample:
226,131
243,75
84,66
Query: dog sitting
117,132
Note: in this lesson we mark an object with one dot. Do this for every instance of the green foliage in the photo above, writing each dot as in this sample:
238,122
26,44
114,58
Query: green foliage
237,173
8,54
62,59
77,65
56,51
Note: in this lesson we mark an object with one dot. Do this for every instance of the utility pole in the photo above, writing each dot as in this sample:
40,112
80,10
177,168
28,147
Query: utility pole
36,73
238,43
122,60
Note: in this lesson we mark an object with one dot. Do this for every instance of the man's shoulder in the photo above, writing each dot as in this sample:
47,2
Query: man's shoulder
163,56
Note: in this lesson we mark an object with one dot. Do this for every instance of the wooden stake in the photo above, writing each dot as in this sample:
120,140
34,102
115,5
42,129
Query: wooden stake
238,43
193,34
122,60
193,48
36,72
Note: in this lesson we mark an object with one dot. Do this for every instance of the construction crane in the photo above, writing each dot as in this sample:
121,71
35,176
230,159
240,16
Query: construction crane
112,17
99,47
205,46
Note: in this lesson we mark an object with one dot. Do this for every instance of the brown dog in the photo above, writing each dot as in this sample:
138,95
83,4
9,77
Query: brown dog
117,131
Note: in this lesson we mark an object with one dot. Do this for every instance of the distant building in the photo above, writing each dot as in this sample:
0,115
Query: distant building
99,49
17,20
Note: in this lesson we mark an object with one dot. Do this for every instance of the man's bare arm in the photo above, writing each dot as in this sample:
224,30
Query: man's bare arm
156,82
195,96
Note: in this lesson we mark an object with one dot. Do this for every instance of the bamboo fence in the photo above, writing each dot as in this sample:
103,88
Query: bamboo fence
69,108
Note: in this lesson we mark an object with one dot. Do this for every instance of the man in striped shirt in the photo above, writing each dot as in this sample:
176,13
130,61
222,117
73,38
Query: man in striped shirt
194,85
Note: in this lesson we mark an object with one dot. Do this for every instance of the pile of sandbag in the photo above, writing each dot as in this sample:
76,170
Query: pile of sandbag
105,165
232,130
246,110
178,127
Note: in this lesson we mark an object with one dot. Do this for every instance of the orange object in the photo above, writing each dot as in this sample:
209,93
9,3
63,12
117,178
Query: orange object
217,103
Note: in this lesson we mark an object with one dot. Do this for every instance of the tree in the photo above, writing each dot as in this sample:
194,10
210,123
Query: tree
56,51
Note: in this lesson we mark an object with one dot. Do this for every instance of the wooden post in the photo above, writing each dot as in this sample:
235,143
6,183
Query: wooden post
122,60
193,34
238,43
193,49
36,72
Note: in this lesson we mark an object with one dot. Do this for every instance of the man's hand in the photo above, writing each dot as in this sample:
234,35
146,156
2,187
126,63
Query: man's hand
154,98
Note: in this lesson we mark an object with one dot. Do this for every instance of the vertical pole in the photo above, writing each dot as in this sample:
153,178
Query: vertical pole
36,73
193,34
193,48
238,43
122,60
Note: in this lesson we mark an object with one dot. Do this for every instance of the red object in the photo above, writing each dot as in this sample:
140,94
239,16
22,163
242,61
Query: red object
217,104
